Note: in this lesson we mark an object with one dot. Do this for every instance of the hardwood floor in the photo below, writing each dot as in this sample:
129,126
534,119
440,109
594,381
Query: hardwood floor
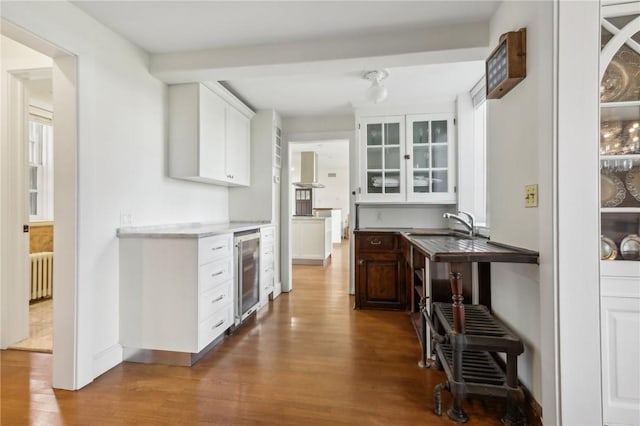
307,359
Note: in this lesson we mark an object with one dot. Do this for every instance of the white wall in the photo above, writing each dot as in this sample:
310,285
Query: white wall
403,216
335,193
122,162
519,128
545,131
329,123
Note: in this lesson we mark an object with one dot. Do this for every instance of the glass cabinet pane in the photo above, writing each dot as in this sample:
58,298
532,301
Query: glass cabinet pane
420,132
440,182
439,131
374,134
383,153
421,182
392,182
392,133
392,158
420,157
440,156
374,158
619,135
620,130
374,182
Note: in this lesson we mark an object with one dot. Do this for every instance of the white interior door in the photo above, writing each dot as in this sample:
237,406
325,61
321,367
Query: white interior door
15,214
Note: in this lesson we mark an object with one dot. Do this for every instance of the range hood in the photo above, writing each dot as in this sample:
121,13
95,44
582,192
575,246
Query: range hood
308,171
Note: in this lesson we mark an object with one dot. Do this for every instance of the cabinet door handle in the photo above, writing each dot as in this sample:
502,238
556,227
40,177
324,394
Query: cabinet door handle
217,273
375,242
218,324
217,248
219,298
361,262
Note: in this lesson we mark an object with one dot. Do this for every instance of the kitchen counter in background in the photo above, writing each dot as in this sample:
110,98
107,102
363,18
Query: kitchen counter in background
311,240
187,230
337,226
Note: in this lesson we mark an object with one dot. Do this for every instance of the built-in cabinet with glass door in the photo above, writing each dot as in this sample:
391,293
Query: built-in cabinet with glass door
408,158
620,212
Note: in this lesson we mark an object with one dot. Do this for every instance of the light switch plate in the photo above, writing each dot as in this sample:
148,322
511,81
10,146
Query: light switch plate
531,196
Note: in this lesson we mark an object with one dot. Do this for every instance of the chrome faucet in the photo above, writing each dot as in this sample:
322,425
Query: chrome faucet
468,222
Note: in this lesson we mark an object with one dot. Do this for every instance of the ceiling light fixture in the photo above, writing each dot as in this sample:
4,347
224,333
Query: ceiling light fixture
377,92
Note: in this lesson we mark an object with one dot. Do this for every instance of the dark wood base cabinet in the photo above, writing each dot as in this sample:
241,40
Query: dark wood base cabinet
380,272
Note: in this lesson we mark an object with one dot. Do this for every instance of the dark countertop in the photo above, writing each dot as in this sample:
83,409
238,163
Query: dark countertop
446,245
427,231
455,248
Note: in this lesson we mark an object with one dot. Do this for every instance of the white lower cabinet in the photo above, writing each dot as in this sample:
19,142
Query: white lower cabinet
176,294
620,325
267,263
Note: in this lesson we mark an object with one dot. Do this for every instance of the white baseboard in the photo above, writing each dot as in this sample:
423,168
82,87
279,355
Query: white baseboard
106,360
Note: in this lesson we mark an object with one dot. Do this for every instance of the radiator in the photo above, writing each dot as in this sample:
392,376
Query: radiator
41,275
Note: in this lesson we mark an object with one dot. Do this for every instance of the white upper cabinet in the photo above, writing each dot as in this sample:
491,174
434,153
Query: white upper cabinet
209,135
408,158
237,147
382,145
430,158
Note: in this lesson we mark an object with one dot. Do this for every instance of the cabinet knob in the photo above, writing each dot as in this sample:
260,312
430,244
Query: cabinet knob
361,262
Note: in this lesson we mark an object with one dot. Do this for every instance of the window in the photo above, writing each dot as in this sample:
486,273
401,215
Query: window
478,97
40,165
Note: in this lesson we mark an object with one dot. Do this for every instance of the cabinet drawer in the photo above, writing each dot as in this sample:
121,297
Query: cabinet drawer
215,247
214,326
214,273
214,300
375,242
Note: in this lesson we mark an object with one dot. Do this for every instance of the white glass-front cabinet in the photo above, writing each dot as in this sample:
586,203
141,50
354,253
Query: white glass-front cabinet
620,212
382,143
430,160
407,158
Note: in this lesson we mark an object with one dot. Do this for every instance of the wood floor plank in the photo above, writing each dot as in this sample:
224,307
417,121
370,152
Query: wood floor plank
307,359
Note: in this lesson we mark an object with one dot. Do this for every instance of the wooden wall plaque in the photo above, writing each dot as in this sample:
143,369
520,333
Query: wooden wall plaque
506,66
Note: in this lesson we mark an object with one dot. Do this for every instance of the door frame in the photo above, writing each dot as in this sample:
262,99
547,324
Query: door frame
286,194
71,360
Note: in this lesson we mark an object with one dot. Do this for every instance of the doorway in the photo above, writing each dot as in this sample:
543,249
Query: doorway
319,199
14,265
38,144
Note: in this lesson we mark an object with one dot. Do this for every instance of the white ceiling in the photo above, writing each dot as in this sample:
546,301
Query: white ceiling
164,27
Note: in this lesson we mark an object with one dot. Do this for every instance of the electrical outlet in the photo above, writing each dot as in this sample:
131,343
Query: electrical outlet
531,196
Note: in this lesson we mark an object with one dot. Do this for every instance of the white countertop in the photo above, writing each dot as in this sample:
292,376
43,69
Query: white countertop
187,230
